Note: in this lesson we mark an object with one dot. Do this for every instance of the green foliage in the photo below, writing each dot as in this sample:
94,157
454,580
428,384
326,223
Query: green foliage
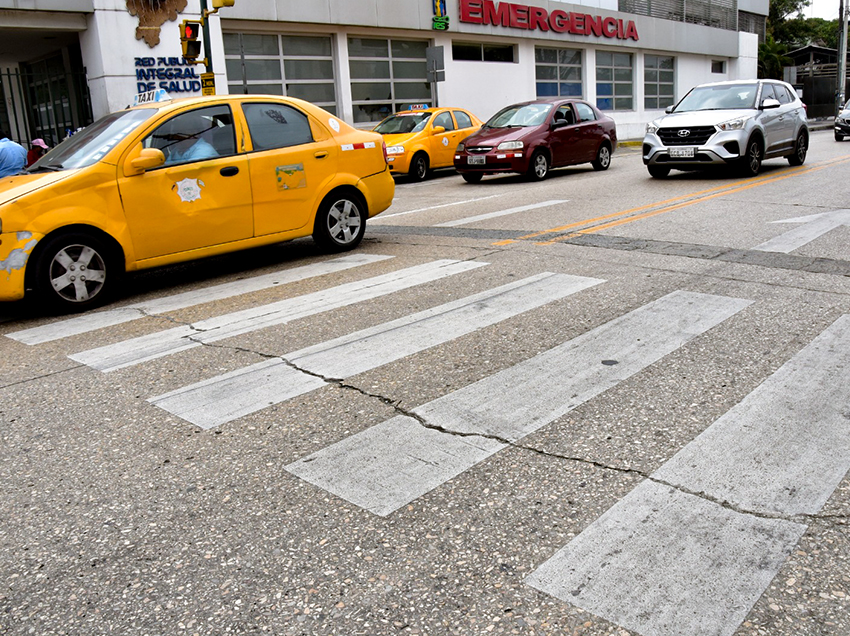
799,32
772,58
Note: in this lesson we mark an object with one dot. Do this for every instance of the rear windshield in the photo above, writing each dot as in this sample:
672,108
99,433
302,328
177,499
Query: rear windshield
93,142
403,123
719,97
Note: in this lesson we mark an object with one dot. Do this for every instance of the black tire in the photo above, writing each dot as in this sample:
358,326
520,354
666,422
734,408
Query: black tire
801,147
471,177
750,164
419,167
76,271
839,137
603,157
538,166
658,172
340,222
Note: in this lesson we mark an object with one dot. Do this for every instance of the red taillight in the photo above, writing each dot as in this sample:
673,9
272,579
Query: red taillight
805,108
384,148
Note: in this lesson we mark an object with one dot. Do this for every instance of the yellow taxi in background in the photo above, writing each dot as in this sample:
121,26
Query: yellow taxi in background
176,180
421,139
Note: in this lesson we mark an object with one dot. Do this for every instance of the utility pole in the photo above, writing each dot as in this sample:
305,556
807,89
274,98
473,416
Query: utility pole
842,57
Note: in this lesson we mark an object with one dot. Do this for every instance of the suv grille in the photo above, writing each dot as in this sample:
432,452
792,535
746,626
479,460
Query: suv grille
696,135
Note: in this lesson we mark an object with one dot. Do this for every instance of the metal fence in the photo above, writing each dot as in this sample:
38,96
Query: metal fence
46,105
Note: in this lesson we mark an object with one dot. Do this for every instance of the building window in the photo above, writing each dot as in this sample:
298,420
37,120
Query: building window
558,72
658,81
614,84
473,52
718,66
386,76
293,65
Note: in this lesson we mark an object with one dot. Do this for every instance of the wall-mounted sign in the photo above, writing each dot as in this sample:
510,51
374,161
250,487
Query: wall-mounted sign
441,18
520,16
172,74
208,83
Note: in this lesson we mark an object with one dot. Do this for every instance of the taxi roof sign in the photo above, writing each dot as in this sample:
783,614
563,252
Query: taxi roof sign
149,97
418,107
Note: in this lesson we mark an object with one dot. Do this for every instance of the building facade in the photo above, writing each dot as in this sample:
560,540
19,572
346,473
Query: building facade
64,63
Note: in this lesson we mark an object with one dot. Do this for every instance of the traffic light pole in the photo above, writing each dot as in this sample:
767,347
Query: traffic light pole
206,30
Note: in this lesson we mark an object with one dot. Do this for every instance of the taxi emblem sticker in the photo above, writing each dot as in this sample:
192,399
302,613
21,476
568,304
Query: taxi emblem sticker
189,189
333,123
445,141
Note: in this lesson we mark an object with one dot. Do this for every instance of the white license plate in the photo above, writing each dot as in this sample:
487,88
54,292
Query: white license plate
475,161
688,152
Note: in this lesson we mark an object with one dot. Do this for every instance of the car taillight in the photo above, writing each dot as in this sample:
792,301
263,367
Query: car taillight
384,148
805,108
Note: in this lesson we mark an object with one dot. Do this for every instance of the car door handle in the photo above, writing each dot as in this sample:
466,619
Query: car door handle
321,154
229,171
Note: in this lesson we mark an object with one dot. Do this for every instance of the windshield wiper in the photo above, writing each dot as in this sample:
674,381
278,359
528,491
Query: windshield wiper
51,167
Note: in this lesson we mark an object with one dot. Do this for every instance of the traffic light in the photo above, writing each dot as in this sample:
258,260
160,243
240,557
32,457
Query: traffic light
218,4
190,30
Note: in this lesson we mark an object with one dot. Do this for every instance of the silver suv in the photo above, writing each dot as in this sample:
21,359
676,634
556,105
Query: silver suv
740,122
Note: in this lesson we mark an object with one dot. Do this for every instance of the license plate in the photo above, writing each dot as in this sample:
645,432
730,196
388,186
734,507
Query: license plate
686,153
475,161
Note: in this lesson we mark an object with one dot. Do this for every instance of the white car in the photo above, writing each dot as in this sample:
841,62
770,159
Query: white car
740,123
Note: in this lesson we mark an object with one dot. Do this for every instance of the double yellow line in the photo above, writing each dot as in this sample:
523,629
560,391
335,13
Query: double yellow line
589,226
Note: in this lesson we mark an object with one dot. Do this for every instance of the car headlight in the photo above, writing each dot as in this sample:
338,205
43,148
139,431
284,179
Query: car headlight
395,150
510,145
652,127
460,148
733,124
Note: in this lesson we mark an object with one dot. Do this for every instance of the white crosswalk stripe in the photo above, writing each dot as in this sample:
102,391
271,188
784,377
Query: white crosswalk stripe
393,463
219,400
666,563
156,345
111,317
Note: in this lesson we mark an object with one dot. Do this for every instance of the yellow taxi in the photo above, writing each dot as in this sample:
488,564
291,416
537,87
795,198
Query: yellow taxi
422,139
176,180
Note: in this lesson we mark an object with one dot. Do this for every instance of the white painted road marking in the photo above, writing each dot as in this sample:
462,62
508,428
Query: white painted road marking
163,343
498,213
393,463
785,448
110,317
377,220
814,226
666,563
222,399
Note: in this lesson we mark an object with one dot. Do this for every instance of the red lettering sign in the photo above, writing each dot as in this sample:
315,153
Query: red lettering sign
521,16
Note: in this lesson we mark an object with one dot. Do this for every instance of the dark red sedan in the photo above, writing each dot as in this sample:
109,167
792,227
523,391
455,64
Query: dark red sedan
533,137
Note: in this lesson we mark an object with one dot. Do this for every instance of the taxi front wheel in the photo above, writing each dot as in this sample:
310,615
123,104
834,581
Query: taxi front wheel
340,222
75,271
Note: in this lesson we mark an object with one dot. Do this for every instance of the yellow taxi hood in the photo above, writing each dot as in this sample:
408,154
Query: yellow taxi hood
397,140
15,187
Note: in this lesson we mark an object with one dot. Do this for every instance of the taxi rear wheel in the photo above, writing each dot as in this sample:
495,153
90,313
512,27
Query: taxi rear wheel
340,222
75,271
419,166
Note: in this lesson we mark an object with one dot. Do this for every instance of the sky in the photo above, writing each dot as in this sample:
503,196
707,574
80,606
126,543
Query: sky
826,9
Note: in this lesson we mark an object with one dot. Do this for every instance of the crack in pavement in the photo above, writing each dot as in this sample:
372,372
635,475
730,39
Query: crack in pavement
835,520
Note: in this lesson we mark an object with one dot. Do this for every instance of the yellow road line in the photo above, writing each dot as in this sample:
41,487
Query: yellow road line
703,195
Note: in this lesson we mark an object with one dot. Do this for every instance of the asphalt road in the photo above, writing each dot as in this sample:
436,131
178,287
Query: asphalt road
603,404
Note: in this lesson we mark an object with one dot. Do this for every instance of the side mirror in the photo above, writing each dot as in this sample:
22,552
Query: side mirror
436,130
769,103
148,158
668,110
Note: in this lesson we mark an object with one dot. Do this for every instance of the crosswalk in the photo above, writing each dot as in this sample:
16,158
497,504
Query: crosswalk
690,550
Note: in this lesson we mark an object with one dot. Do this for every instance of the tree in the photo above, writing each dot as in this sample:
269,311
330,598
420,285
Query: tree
772,58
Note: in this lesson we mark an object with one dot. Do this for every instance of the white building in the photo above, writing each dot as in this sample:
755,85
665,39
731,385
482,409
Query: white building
64,62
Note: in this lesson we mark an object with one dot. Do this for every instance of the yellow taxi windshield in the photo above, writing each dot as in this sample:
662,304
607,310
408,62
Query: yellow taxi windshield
91,144
402,123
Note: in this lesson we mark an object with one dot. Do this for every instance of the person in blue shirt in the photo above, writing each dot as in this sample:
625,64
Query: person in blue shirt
188,129
13,156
